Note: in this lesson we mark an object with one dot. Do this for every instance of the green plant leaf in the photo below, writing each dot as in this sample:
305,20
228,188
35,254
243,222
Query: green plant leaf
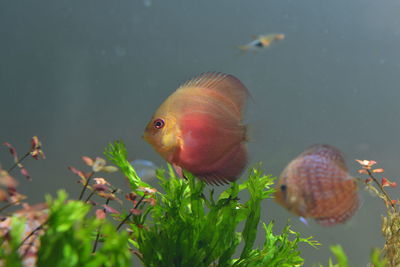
69,236
256,184
9,253
189,229
117,154
341,257
377,260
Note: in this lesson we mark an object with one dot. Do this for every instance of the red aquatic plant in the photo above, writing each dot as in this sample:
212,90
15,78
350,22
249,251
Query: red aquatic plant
98,165
390,222
35,152
380,191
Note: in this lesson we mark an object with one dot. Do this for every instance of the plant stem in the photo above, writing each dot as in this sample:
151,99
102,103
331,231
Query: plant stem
90,195
8,205
124,221
85,186
388,198
130,213
19,161
96,240
33,232
99,230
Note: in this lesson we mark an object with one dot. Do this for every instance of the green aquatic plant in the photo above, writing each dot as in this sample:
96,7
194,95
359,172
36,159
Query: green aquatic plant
187,228
10,243
69,234
376,258
182,224
64,239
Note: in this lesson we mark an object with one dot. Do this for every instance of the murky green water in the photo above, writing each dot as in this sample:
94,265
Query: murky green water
82,73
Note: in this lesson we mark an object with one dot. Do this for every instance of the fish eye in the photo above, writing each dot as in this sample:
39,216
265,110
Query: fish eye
259,44
158,123
283,188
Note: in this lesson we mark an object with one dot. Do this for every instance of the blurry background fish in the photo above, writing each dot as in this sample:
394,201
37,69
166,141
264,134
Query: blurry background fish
262,41
317,184
145,169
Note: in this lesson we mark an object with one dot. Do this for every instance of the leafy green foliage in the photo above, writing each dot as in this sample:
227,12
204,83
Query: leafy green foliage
278,250
377,260
184,225
186,228
69,235
341,257
183,233
256,182
117,154
9,255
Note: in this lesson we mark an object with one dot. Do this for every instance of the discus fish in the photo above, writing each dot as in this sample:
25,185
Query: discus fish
262,41
198,128
317,185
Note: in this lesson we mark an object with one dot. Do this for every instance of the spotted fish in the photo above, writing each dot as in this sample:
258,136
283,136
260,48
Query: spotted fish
317,185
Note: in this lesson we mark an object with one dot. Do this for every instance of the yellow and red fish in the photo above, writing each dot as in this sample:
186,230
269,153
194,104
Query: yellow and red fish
316,184
198,128
262,41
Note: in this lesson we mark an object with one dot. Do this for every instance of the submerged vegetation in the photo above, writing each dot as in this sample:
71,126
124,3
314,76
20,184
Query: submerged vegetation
390,222
181,224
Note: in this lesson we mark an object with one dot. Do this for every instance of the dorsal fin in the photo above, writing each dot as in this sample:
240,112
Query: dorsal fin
225,84
327,151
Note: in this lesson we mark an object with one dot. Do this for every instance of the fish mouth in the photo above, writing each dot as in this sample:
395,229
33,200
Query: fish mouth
155,143
146,136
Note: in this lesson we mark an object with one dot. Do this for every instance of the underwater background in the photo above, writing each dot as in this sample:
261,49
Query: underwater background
80,74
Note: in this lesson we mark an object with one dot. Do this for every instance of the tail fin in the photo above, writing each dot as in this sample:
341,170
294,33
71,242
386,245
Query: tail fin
243,48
